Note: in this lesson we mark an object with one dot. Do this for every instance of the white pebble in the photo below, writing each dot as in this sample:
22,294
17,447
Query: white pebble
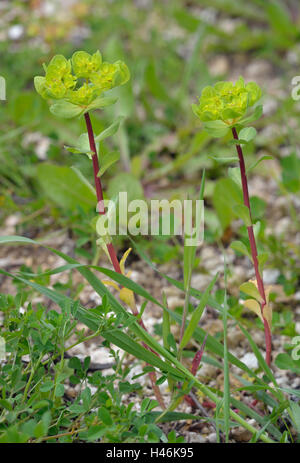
15,32
250,360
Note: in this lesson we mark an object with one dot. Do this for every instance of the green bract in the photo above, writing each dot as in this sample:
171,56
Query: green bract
226,102
80,81
84,64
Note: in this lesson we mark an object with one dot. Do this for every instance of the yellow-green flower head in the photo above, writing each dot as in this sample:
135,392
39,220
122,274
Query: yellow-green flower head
58,79
82,96
227,101
63,78
110,75
84,64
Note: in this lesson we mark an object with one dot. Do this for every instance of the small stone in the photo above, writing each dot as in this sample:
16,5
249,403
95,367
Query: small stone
15,32
200,282
250,360
194,437
235,337
212,437
174,302
241,434
297,296
218,66
282,226
258,338
207,371
270,276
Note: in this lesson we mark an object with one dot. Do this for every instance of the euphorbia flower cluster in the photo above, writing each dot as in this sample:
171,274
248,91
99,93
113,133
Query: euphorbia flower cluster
81,79
226,101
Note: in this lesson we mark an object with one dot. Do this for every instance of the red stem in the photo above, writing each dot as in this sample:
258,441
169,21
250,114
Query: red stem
99,190
259,279
110,247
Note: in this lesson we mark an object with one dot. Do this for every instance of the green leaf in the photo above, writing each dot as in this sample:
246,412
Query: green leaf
125,342
226,361
47,386
241,247
86,397
101,102
295,409
262,259
66,110
235,175
111,130
195,318
285,362
251,290
107,161
291,172
82,146
6,404
224,160
243,213
247,134
216,129
258,110
155,84
65,187
126,182
41,429
104,415
255,164
225,194
59,390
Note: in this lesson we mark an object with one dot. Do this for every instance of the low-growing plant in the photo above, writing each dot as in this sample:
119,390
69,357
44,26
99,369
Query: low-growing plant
224,108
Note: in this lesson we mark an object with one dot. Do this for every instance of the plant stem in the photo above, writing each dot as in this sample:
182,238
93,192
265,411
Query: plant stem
99,190
259,279
110,247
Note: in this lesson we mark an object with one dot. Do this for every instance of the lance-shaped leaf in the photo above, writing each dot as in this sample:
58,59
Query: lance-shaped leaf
111,130
195,318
